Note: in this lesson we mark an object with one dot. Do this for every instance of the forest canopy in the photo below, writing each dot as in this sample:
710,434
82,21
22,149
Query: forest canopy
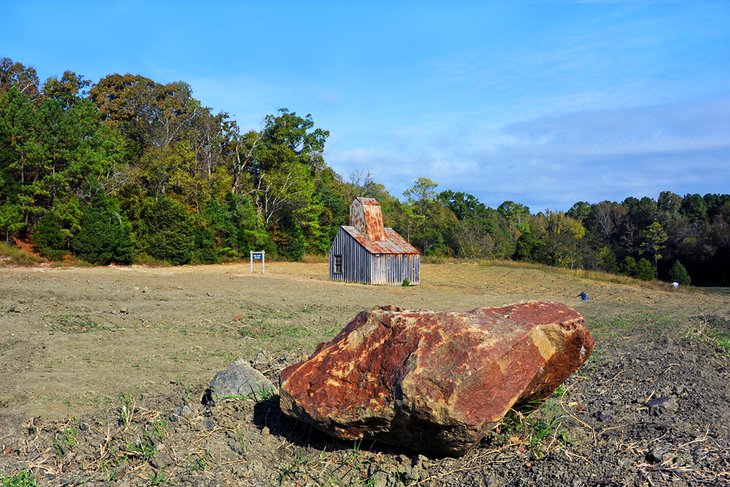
131,170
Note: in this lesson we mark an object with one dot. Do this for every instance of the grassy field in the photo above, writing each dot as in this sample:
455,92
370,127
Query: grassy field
96,360
77,337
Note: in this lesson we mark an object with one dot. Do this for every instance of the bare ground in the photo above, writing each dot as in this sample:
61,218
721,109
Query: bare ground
102,371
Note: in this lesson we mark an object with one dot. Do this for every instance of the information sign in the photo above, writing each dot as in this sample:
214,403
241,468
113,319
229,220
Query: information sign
258,256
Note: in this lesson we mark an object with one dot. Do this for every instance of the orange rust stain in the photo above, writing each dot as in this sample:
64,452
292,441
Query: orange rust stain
439,364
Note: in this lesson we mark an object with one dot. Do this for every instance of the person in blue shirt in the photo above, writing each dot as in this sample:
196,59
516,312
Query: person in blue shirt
583,296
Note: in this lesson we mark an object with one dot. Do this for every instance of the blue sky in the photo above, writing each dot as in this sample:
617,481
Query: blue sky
544,103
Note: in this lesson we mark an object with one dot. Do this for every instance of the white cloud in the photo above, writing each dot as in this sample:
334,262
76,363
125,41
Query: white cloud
552,162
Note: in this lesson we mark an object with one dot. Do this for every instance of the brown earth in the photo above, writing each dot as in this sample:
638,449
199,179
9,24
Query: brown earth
102,371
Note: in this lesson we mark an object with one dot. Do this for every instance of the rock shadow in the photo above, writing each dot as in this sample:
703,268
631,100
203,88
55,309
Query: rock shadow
268,414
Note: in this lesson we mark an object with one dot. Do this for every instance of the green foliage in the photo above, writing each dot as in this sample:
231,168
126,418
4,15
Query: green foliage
18,76
49,237
516,214
65,441
193,188
694,207
629,266
655,239
205,251
644,270
10,254
580,211
536,426
286,159
677,273
125,409
608,259
157,477
165,231
236,227
528,248
21,479
11,220
147,446
723,341
105,233
480,231
290,239
560,237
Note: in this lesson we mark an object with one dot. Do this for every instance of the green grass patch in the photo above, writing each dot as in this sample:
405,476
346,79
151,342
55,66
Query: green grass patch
709,330
536,426
147,260
721,338
73,323
655,320
21,479
12,255
65,441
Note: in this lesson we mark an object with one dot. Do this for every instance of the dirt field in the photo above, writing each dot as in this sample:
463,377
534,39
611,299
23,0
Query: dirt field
102,371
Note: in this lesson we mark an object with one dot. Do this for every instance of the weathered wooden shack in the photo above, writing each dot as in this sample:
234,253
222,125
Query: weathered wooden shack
367,252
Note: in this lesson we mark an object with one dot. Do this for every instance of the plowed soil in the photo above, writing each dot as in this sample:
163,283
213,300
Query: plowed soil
102,371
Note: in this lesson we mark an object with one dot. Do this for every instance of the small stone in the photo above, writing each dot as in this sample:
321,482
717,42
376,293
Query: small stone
662,405
411,476
261,359
181,412
241,381
379,479
657,454
601,415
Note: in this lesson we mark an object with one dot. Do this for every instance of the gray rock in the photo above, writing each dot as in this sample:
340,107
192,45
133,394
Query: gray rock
184,411
241,381
379,479
658,454
662,405
261,359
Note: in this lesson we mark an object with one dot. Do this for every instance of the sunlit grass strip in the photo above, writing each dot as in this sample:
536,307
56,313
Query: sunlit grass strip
579,273
12,255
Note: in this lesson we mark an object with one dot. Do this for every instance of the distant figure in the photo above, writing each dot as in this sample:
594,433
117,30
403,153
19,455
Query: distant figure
675,285
583,296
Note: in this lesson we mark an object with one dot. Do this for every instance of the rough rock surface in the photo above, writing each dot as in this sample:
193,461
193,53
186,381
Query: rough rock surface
434,382
240,380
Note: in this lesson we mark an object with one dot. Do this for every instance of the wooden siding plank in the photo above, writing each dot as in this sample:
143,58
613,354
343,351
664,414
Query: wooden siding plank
359,265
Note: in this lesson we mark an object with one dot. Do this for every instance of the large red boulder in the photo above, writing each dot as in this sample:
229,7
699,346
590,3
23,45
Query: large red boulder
434,382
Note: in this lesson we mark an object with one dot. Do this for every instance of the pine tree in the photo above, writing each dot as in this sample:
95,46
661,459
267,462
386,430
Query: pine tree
678,273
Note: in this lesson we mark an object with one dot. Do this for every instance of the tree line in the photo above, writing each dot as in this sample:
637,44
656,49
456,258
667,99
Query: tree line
128,169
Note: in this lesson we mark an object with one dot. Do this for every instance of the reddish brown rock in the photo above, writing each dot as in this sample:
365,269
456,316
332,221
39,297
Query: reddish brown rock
434,382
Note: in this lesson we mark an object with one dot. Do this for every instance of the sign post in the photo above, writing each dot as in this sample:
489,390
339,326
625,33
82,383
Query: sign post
259,256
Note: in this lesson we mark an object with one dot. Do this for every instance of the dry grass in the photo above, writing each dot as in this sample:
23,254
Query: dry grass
601,276
185,323
13,255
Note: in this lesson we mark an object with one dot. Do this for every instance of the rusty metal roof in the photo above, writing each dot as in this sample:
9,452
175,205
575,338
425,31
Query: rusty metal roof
366,216
368,201
393,243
